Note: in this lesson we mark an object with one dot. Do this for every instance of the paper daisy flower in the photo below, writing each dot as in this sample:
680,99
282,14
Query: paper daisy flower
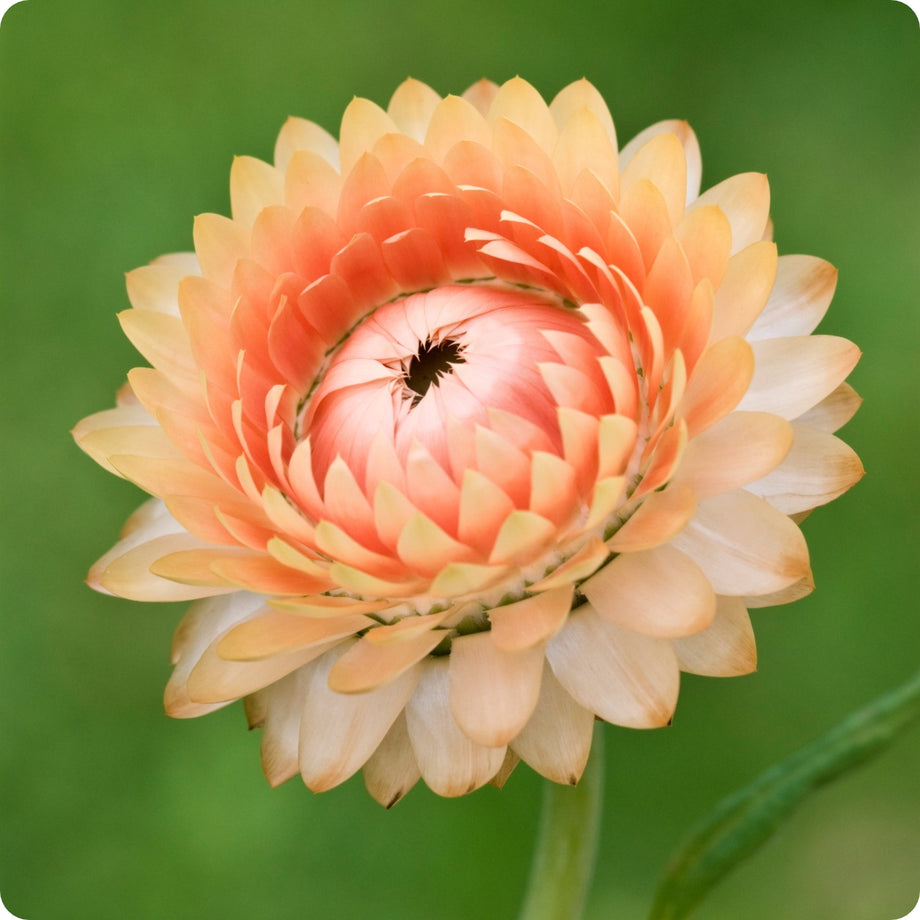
467,429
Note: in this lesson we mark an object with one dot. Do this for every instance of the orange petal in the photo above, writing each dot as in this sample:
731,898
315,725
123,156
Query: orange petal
529,623
658,519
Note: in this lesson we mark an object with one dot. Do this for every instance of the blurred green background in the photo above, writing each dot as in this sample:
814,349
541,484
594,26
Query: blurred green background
119,121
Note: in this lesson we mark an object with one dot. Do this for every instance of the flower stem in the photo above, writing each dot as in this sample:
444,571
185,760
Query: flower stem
563,861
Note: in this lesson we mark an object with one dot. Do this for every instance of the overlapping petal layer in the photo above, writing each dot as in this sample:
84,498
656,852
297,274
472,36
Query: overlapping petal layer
466,429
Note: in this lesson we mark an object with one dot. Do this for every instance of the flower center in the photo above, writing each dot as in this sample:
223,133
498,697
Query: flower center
431,362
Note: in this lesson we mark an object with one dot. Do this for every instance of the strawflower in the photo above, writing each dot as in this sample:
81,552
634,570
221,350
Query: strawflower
467,430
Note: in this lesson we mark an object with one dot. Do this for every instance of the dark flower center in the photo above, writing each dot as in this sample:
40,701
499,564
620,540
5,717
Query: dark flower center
431,362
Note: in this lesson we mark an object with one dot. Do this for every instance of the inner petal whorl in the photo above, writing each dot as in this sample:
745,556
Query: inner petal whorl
442,361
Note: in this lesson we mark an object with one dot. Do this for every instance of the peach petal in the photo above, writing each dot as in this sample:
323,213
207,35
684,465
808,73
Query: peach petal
153,287
392,770
553,488
521,537
414,260
582,564
360,266
342,547
556,741
705,235
817,469
299,134
453,121
644,211
253,185
346,505
719,383
744,290
527,624
739,449
518,102
310,182
658,519
724,649
103,442
274,633
666,457
363,124
745,199
792,375
744,545
626,678
412,106
450,763
484,506
661,161
367,665
584,143
659,592
504,465
326,605
493,692
691,149
800,298
219,243
576,97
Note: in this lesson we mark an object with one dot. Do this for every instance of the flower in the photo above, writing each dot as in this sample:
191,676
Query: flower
466,430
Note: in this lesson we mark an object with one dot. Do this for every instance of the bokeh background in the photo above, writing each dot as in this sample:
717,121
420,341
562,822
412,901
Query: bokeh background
118,122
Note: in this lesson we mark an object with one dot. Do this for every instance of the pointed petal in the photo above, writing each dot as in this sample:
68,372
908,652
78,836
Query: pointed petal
658,592
392,770
557,739
492,692
626,678
450,763
725,649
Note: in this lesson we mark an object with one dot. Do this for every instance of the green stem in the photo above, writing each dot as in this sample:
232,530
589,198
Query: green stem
563,861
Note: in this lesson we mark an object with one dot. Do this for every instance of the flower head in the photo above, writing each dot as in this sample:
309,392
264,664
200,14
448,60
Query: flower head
466,429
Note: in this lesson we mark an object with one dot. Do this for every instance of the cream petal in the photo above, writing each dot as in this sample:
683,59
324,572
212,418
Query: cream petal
725,649
299,134
455,121
219,244
833,411
213,679
161,338
450,763
578,96
800,298
282,704
745,199
584,143
688,141
659,592
744,545
742,447
339,732
202,624
625,677
392,770
155,286
412,106
791,375
493,692
795,592
363,124
520,103
817,469
505,770
660,160
556,741
254,185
